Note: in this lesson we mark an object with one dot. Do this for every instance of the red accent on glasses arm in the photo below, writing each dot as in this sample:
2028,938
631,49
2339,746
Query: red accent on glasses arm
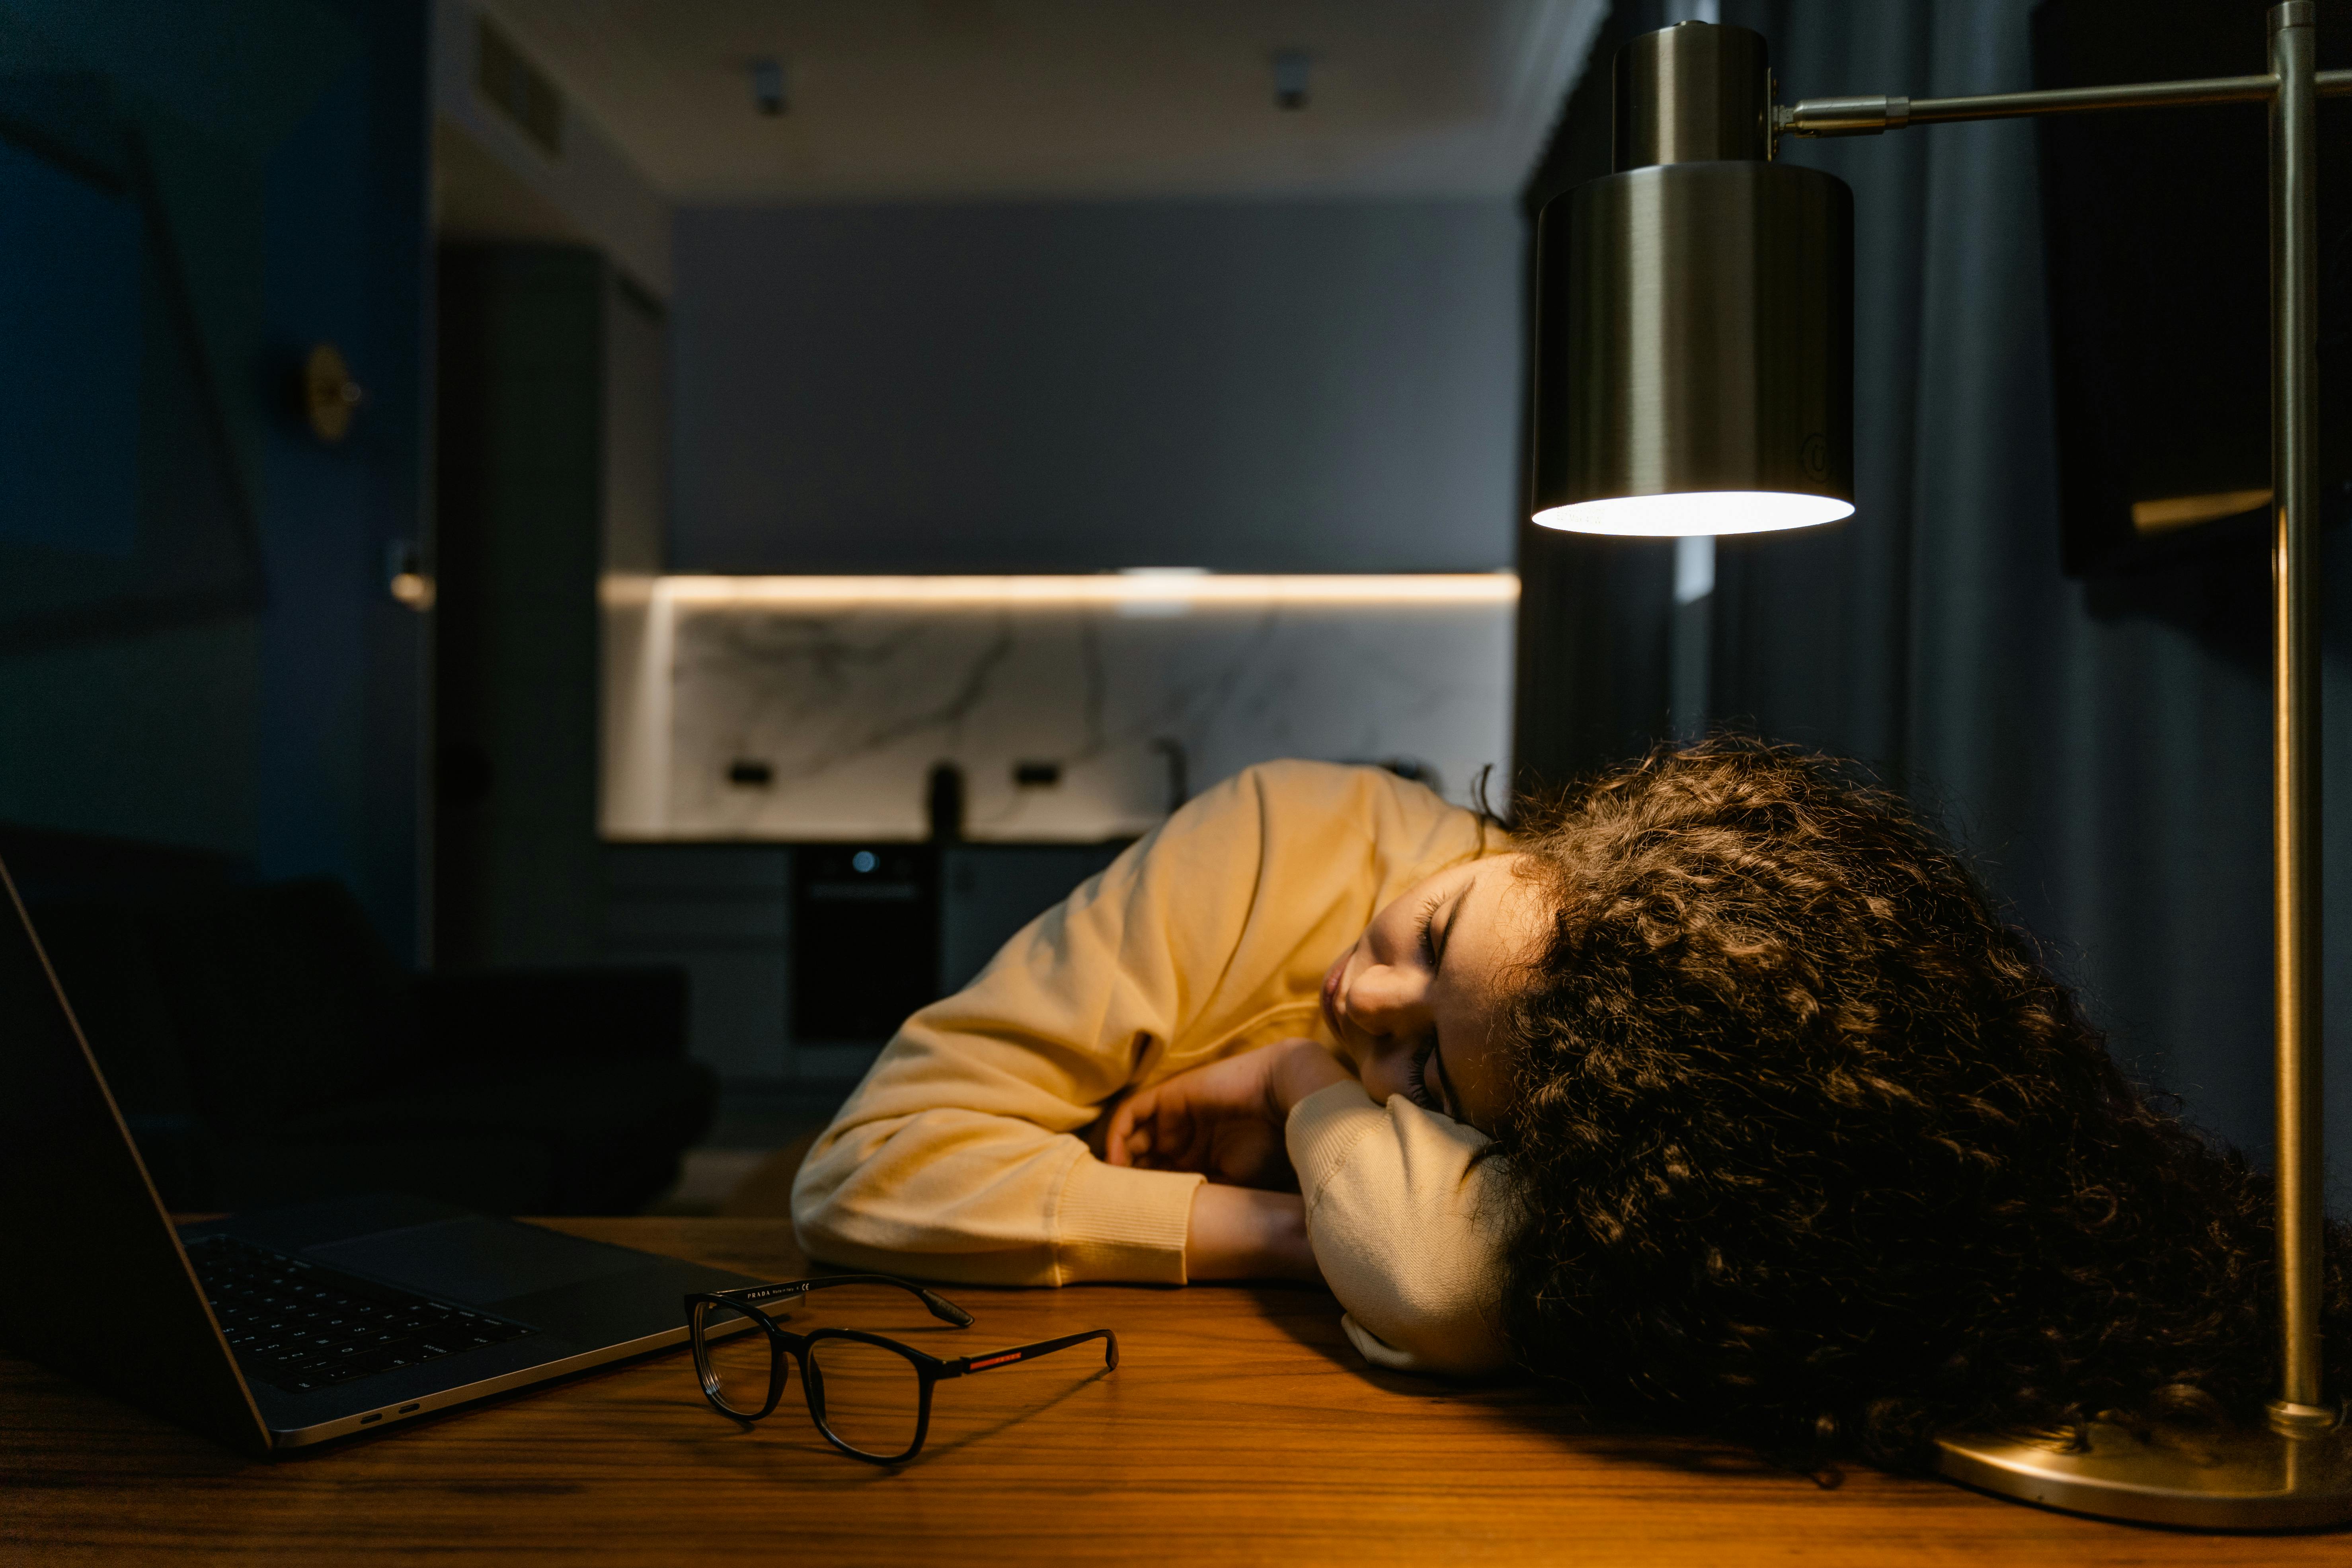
1042,1347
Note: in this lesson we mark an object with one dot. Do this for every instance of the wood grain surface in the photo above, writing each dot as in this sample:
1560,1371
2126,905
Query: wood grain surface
1239,1428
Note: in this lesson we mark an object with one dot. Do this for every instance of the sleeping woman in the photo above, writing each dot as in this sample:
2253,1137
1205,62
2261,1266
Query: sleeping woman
1713,1089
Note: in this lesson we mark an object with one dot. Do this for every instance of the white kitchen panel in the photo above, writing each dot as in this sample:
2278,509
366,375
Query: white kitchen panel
816,708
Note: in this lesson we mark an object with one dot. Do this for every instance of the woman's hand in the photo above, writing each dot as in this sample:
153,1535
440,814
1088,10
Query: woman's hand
1240,1232
1224,1119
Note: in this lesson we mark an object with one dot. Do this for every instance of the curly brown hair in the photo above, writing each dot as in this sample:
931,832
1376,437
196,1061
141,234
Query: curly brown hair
1813,1150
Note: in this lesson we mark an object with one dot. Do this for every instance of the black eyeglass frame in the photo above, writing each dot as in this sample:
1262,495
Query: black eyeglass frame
929,1370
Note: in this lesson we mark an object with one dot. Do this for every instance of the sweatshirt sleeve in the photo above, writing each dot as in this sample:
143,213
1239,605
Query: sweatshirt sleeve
958,1158
1406,1226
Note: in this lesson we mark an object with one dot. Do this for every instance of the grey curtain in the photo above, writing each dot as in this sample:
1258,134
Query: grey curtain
2102,749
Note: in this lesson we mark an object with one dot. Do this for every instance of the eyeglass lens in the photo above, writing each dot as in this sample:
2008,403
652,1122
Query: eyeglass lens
872,1397
736,1368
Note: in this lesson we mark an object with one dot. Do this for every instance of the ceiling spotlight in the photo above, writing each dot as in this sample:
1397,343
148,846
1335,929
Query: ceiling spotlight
1290,78
768,87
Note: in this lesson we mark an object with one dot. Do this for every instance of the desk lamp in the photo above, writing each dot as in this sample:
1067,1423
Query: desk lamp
1697,313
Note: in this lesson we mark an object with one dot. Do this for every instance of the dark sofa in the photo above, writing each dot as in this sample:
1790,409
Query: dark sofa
265,1048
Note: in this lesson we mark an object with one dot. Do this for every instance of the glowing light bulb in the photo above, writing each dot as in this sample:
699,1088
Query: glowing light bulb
1696,511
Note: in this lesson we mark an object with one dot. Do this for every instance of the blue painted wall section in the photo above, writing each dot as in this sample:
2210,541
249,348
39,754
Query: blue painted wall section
197,647
69,436
1254,386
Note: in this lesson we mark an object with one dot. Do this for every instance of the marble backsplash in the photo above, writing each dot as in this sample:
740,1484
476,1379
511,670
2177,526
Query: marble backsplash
816,708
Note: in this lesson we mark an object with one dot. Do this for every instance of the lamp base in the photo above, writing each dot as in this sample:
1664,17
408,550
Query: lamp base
2237,1479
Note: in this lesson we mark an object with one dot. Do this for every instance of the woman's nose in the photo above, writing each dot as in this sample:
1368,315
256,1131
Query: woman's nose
1389,1001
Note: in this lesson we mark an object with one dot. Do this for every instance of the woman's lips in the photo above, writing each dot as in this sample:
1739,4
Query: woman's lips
1331,978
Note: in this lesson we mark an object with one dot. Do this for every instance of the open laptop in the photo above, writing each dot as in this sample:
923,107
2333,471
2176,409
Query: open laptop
285,1328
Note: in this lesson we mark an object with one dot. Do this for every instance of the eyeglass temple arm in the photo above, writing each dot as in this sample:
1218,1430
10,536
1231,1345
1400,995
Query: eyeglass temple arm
963,1364
939,1305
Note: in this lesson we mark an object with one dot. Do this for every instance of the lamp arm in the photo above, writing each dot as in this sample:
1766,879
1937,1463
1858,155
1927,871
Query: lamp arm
1869,115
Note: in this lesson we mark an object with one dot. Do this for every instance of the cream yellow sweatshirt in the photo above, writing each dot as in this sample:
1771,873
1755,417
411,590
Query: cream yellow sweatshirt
960,1156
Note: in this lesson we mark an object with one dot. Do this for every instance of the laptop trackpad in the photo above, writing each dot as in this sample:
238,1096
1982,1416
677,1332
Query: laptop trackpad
476,1260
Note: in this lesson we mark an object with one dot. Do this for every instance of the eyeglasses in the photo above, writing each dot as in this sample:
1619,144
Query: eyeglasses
871,1396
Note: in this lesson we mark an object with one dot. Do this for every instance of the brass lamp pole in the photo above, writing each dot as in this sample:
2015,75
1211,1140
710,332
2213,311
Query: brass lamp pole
1702,383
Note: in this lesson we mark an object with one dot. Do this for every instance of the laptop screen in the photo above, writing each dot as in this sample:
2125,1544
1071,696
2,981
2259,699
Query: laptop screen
97,1286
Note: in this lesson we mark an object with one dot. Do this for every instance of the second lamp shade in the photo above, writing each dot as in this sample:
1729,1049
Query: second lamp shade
1695,314
1695,367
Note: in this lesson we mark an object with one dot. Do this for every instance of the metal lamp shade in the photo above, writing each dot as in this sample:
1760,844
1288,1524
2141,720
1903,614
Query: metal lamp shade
1696,351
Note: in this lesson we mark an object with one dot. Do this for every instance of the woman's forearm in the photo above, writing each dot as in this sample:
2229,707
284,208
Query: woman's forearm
1243,1233
1248,1233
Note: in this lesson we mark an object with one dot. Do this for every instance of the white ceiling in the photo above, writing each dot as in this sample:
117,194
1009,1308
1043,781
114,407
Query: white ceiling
1014,98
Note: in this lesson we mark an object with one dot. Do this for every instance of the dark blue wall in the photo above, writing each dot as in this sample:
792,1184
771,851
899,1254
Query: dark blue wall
240,682
1254,386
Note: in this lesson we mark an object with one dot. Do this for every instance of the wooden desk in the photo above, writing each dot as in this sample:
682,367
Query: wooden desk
1239,1428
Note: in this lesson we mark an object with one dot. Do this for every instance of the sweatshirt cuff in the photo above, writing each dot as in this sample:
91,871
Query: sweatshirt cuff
1117,1223
1323,1128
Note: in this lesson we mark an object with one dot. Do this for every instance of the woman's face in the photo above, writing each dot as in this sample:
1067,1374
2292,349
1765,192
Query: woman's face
1415,1002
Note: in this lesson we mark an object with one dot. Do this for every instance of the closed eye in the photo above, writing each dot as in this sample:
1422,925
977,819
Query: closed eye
1427,923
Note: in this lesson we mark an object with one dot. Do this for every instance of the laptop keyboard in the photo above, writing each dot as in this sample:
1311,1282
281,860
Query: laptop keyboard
301,1326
